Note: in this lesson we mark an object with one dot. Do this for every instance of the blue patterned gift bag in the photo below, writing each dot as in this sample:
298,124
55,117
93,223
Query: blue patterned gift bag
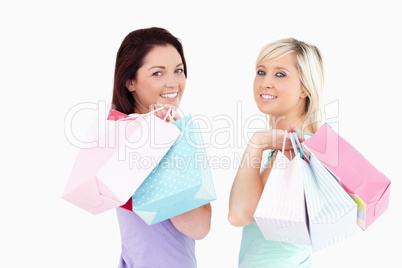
181,181
331,211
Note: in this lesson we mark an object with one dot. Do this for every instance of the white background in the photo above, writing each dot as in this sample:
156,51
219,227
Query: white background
55,56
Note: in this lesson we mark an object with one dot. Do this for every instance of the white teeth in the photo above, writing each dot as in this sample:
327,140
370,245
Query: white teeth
170,96
268,97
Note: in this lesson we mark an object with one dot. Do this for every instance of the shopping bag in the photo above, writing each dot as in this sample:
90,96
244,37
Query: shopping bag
181,182
106,175
281,210
368,187
331,211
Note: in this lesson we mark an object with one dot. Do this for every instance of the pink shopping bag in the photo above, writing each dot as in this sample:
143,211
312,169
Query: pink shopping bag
369,188
106,175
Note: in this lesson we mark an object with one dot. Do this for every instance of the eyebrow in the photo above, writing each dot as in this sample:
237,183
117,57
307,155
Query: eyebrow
275,67
163,67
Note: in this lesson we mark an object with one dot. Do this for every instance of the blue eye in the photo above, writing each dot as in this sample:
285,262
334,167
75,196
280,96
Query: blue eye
280,74
157,74
261,72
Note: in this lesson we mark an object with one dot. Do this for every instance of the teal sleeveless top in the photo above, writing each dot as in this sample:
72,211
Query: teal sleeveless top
256,252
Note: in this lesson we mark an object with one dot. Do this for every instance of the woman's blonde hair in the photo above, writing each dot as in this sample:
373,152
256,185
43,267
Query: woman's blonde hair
310,65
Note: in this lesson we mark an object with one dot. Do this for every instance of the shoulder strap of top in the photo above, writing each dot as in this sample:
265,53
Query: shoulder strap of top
266,163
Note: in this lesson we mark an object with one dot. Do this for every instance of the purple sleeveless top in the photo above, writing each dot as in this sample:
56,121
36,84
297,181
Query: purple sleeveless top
160,245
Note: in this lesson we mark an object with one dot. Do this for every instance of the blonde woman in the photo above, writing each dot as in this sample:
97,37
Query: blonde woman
287,88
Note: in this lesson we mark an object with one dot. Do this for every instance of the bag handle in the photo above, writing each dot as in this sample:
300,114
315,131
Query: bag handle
135,116
306,152
284,141
293,143
293,138
168,114
304,133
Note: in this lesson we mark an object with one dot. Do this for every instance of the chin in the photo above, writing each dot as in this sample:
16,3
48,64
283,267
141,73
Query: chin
264,110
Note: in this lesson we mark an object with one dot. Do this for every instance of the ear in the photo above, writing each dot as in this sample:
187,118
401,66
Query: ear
305,93
130,85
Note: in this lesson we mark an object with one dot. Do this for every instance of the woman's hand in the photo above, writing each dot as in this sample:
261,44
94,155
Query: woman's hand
174,116
273,139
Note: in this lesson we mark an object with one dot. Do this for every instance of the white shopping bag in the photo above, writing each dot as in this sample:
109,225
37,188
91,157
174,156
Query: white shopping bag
281,211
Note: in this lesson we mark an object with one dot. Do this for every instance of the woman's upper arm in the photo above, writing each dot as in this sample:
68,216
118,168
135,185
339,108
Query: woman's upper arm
195,223
245,195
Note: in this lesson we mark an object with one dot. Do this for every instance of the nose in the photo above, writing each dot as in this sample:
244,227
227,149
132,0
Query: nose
171,81
267,82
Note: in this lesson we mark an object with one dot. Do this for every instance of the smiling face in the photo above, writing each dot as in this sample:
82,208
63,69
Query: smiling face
160,79
278,89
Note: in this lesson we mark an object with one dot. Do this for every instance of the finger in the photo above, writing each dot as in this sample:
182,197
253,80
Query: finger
293,129
154,108
176,117
300,137
288,145
168,115
167,118
160,113
173,113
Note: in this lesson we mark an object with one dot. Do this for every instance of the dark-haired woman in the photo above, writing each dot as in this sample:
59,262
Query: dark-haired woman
151,72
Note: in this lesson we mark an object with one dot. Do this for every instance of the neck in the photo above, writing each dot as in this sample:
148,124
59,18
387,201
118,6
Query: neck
286,123
139,108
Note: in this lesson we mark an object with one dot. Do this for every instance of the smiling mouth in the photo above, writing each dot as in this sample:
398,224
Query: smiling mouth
268,97
169,95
